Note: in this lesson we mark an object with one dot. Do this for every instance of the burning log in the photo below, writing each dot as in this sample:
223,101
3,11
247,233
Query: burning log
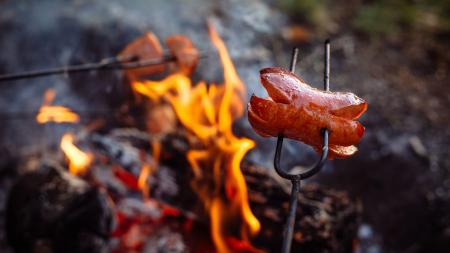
327,219
49,210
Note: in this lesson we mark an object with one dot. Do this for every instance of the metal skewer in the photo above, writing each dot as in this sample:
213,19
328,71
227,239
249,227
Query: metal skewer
296,178
124,62
111,63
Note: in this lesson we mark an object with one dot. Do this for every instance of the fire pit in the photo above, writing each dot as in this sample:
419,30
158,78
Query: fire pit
155,164
181,186
94,160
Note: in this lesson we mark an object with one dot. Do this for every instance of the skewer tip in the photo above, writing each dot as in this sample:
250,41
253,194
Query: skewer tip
294,58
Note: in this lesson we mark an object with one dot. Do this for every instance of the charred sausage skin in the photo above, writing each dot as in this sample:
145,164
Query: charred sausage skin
298,111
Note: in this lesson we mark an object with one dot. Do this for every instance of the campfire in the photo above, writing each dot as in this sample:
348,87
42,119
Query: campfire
173,179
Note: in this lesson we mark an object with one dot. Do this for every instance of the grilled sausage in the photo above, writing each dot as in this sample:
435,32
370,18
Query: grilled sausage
298,111
144,47
184,51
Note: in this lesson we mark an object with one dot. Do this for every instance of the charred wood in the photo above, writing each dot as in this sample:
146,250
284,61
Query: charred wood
327,220
66,214
49,210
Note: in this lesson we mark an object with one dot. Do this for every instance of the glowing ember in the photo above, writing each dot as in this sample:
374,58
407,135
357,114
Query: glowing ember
79,161
51,113
208,113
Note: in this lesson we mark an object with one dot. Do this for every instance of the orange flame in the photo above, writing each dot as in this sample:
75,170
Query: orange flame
208,112
79,161
142,180
52,113
147,169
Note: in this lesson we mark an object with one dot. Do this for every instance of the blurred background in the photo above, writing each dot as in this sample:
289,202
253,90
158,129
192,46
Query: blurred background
394,54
